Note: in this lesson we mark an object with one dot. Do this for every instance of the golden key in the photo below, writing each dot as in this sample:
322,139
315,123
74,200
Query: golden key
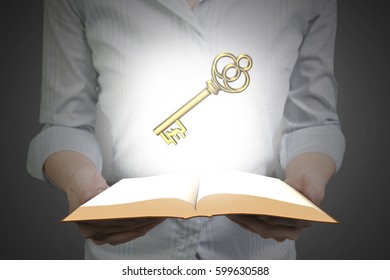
220,80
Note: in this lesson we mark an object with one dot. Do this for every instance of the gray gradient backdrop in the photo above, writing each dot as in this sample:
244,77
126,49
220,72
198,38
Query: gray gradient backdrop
358,195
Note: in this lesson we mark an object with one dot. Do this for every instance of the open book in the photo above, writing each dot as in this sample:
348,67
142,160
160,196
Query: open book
185,196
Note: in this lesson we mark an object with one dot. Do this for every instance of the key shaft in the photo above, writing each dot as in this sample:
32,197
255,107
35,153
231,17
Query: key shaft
183,110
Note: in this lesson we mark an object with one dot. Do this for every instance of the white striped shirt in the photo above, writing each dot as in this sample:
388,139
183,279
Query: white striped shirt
118,68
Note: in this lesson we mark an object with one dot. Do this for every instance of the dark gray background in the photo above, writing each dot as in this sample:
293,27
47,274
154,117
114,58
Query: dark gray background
358,195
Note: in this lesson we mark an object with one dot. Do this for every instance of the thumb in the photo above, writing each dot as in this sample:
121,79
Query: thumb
315,193
87,183
310,187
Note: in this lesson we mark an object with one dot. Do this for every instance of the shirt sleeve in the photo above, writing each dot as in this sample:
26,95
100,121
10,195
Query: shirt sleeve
68,92
310,111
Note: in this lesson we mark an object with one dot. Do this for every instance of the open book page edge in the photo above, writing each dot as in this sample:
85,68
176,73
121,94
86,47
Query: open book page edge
166,207
219,204
213,205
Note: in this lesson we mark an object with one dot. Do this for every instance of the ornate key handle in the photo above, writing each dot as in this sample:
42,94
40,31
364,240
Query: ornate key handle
223,80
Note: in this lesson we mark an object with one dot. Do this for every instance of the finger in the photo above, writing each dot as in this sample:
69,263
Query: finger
87,184
125,236
273,221
92,231
315,193
311,186
276,232
100,230
238,220
122,222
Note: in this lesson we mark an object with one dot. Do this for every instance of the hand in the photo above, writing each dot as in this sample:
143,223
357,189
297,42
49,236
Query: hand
308,173
81,181
276,228
88,183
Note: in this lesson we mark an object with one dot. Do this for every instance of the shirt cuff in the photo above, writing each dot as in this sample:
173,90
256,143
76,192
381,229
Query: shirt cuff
59,138
326,139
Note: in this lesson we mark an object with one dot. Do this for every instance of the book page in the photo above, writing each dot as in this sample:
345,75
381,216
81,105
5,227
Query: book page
238,182
183,186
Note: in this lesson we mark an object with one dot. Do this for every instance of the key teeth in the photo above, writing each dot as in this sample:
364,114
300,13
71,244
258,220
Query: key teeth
168,139
169,136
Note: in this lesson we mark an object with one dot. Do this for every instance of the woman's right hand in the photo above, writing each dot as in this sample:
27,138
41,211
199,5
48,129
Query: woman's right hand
81,181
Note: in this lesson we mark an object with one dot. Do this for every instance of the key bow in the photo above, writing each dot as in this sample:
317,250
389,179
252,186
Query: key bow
222,80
